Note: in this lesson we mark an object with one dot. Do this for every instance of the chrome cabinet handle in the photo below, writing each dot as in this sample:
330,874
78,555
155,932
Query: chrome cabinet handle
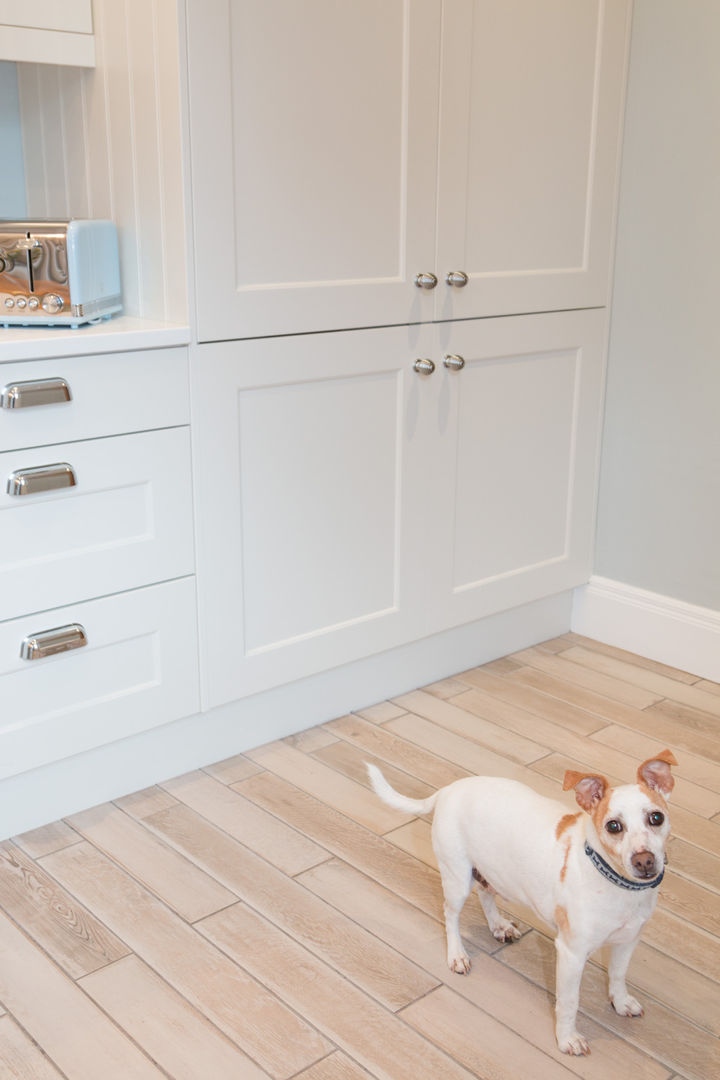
41,478
31,392
50,642
425,281
457,278
453,362
424,367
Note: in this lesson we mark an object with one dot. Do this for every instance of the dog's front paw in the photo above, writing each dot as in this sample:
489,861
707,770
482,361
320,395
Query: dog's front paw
627,1006
574,1044
459,964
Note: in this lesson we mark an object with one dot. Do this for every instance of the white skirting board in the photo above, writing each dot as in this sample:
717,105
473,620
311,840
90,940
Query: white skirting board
659,627
65,787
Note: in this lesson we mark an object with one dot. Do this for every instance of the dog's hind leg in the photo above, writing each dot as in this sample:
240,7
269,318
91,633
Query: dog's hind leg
500,928
456,884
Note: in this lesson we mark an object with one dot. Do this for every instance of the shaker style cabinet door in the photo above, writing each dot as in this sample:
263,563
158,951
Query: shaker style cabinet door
303,504
313,131
530,120
516,438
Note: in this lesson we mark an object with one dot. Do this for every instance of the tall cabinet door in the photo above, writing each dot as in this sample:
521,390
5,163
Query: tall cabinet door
531,111
313,140
303,508
519,447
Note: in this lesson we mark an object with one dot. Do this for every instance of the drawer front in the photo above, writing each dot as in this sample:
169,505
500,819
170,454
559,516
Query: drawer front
106,395
125,522
137,670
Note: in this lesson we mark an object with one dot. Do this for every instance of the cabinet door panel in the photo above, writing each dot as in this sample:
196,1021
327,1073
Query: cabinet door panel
313,142
521,459
530,113
300,447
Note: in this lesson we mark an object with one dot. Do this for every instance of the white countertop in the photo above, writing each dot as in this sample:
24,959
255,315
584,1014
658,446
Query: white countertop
117,334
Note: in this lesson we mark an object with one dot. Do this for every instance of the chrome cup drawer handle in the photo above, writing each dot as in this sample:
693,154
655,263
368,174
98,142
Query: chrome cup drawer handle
32,392
41,478
49,642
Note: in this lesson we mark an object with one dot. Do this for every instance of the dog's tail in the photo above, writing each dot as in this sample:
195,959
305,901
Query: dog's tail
394,798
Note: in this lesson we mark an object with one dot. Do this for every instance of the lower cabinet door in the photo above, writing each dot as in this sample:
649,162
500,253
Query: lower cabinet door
359,490
521,454
77,677
300,451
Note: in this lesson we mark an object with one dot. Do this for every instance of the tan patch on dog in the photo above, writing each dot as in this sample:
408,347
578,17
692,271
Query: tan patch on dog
598,816
565,823
562,921
563,872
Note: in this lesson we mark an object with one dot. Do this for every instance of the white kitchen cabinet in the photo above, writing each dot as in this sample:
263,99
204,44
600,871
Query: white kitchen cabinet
339,150
45,32
347,504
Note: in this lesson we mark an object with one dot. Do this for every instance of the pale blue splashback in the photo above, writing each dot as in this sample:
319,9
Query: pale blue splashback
12,173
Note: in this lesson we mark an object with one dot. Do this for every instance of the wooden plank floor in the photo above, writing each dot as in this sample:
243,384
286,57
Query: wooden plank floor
269,917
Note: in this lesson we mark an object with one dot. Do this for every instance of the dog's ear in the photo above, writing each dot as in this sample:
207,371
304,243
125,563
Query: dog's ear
655,773
589,788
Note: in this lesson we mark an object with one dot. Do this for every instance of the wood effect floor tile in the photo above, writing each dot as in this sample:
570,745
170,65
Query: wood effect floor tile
274,1037
656,683
53,1010
610,687
457,720
42,841
384,745
20,1057
685,942
695,864
263,833
651,721
445,688
142,803
313,739
674,1041
570,639
335,1066
532,701
701,724
315,778
708,686
378,714
346,839
479,1042
380,971
232,769
480,762
166,1026
66,930
176,880
352,762
371,1035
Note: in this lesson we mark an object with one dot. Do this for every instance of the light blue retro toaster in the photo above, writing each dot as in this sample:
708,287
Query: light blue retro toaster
58,273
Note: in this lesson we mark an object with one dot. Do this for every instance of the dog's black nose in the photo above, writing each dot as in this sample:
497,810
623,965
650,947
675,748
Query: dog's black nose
643,863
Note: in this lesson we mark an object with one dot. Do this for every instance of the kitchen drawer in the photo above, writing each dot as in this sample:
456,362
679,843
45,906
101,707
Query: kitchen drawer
109,395
127,521
137,670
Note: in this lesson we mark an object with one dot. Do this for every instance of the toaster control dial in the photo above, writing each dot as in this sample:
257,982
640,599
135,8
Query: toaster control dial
52,303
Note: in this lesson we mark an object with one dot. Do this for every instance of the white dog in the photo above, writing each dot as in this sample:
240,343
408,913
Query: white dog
592,877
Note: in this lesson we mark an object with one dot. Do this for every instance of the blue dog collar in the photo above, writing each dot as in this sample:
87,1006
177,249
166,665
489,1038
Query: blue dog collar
625,883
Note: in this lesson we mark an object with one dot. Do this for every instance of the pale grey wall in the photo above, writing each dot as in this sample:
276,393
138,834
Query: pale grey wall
659,508
12,173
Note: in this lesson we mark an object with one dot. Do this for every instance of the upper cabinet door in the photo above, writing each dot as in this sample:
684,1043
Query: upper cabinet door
313,144
530,120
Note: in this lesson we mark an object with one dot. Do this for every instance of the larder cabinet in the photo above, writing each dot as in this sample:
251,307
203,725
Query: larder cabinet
339,151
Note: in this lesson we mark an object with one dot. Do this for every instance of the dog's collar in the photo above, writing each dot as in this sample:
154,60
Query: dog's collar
612,875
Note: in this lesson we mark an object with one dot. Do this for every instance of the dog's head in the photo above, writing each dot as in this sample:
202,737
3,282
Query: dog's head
630,823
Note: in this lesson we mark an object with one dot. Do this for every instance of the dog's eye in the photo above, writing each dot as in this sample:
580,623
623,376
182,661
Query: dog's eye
613,826
656,818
